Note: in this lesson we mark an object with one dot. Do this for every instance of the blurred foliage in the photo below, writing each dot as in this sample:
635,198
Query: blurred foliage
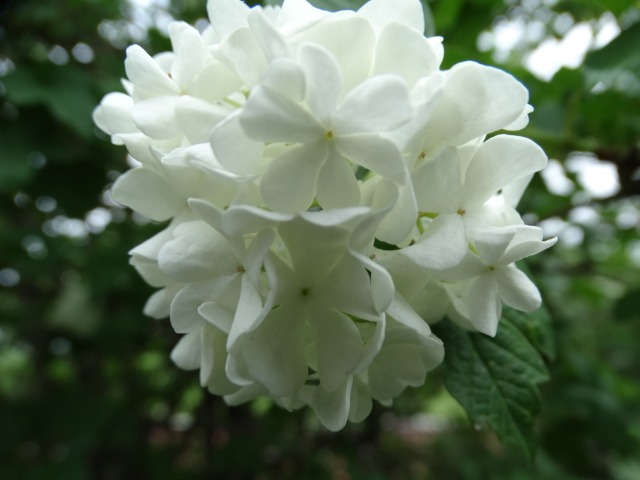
87,389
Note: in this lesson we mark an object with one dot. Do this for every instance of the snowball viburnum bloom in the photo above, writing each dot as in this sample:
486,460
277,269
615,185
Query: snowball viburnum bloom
329,191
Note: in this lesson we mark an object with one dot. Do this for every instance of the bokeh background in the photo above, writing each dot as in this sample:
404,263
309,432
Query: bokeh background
87,390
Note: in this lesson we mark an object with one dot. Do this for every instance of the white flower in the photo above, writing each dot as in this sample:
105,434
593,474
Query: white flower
458,195
332,132
329,191
490,277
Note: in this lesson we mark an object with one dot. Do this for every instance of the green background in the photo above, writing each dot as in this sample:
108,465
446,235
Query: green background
87,390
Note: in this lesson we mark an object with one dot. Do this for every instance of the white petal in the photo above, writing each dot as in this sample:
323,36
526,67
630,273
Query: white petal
113,115
156,117
443,245
190,53
438,183
333,408
384,12
227,16
215,82
275,352
380,104
491,243
483,305
337,183
297,15
521,248
498,162
400,221
402,312
148,193
197,118
324,80
217,315
405,52
187,352
249,313
285,77
336,32
233,149
327,244
289,184
475,101
271,117
197,252
237,219
517,290
269,38
146,74
348,289
214,355
242,54
184,308
376,153
158,304
360,403
338,345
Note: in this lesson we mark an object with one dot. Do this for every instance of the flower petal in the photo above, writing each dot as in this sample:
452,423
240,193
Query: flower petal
333,407
379,104
274,352
197,252
443,245
146,75
148,193
289,184
227,16
156,117
406,52
324,80
338,345
190,53
384,12
337,183
475,101
271,117
498,162
517,290
214,356
483,305
376,153
438,183
233,149
197,118
187,352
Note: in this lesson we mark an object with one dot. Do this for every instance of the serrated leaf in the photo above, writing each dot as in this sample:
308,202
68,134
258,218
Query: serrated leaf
495,379
537,327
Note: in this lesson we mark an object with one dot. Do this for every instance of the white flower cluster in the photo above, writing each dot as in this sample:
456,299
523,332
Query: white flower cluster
330,192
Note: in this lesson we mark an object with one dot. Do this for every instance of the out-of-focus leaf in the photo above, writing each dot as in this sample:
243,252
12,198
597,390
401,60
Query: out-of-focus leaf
617,65
74,310
334,5
15,170
66,91
628,307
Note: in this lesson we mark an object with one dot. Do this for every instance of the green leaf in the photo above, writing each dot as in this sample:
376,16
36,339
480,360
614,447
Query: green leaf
495,381
66,91
537,327
335,5
617,65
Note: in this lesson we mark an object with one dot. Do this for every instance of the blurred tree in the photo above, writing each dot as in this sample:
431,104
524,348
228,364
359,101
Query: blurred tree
86,386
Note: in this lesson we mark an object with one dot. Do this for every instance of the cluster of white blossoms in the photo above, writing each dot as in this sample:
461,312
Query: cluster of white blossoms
330,193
